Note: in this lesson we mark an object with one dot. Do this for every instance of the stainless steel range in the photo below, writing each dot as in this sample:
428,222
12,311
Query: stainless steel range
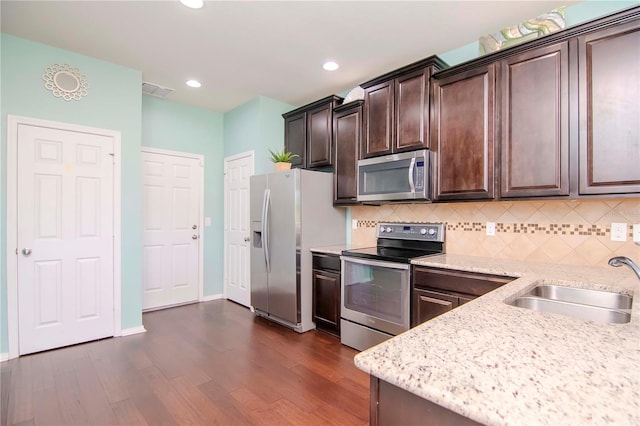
376,282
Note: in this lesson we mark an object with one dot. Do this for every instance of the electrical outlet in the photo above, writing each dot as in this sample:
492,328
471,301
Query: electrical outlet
354,223
491,229
636,233
618,232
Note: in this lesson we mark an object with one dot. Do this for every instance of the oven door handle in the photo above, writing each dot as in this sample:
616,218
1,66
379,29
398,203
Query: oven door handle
379,263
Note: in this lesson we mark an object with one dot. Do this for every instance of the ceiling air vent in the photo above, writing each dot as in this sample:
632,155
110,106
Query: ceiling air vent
156,90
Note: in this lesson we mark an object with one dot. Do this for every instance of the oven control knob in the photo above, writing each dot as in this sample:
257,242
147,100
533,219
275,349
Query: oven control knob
382,229
423,231
389,229
432,231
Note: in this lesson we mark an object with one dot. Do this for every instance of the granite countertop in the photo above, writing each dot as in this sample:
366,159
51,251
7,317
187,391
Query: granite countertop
499,365
337,250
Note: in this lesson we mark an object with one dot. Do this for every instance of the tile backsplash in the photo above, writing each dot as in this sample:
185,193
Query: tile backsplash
564,231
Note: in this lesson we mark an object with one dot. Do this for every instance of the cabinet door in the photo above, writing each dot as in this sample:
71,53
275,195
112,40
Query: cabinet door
378,116
295,138
326,300
463,135
412,111
347,130
609,90
319,131
429,304
534,114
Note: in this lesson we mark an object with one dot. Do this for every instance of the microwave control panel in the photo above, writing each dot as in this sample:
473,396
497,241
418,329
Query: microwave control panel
418,177
412,231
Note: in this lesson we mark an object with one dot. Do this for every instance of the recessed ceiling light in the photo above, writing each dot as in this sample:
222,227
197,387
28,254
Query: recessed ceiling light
193,4
330,66
193,83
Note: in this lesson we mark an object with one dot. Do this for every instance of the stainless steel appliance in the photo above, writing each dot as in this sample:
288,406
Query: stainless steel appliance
291,212
376,282
403,176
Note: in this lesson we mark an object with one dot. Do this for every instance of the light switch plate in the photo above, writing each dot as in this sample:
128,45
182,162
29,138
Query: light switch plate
491,229
636,233
618,232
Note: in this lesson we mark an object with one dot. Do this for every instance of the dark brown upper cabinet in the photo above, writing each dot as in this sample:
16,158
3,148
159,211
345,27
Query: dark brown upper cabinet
534,122
396,109
462,135
553,117
309,133
347,136
609,105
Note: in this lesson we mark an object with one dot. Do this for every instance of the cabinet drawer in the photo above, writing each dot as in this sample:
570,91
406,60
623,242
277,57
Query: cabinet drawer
326,262
458,281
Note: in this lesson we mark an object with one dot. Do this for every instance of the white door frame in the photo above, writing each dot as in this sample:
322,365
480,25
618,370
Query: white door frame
13,121
200,159
250,154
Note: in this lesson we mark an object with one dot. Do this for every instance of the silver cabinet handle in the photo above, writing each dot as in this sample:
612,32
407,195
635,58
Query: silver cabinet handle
437,301
194,237
26,251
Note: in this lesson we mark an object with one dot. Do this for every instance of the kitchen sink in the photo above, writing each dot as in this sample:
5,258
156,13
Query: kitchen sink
592,305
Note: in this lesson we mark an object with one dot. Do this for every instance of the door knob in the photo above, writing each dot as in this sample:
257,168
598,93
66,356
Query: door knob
247,239
26,251
194,226
194,237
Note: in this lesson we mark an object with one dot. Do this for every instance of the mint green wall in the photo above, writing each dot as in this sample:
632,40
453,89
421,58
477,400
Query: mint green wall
256,125
177,127
113,103
575,14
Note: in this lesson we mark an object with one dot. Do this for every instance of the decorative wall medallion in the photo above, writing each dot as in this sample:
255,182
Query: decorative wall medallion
65,82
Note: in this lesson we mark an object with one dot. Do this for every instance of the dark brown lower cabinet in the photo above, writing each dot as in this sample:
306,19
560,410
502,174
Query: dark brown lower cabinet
391,405
326,293
436,291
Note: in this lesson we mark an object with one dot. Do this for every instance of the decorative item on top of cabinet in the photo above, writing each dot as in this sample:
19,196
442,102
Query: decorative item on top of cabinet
462,135
609,94
396,109
347,135
308,132
534,118
326,292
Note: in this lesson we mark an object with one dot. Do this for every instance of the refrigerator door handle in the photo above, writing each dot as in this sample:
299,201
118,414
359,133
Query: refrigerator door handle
265,228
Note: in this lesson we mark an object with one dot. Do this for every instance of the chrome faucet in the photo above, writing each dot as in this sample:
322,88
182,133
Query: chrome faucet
620,260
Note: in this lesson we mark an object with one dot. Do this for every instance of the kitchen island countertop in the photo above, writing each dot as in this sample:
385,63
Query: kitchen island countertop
498,364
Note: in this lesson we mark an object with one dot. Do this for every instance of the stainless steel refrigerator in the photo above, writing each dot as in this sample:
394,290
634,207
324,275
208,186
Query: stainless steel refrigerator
291,212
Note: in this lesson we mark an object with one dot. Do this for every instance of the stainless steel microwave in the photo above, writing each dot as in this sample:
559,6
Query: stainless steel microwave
403,176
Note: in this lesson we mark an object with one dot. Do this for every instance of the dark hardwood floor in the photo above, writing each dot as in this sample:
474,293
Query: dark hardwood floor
211,363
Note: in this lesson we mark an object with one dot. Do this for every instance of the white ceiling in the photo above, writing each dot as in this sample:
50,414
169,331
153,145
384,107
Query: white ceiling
243,49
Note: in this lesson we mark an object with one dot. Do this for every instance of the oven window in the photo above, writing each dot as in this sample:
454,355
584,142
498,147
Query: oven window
386,178
376,291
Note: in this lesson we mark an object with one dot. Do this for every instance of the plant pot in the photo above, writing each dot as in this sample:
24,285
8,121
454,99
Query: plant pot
281,166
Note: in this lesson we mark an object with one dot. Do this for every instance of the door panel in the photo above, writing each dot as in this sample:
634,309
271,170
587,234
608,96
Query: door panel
65,218
237,229
283,220
171,212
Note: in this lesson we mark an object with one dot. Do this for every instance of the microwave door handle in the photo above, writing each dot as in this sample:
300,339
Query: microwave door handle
412,167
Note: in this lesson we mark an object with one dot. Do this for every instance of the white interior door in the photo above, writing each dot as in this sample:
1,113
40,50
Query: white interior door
171,234
237,170
65,237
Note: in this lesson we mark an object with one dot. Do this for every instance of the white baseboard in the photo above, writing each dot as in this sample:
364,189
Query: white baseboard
4,356
132,330
212,297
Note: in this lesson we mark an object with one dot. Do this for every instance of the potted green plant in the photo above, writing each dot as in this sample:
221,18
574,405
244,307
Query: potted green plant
282,159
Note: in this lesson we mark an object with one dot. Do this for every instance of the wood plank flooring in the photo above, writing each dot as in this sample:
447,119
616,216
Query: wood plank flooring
211,363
